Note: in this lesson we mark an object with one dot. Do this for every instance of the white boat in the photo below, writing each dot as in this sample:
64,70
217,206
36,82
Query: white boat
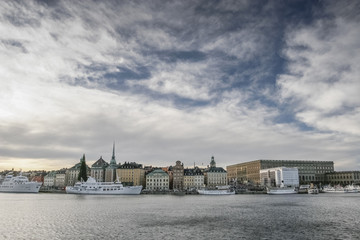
91,186
216,192
19,184
281,191
313,191
351,189
336,189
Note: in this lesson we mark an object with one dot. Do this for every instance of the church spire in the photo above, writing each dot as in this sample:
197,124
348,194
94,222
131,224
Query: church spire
113,161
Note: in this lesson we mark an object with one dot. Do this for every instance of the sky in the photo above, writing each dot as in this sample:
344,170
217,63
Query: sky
179,80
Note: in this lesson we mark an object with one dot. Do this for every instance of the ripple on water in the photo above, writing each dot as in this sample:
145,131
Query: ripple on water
61,216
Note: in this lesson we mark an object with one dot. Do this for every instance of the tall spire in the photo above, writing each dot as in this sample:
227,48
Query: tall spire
113,161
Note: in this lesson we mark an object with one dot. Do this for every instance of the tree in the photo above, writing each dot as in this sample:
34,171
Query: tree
83,170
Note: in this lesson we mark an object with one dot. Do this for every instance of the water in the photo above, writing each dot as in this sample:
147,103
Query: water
62,216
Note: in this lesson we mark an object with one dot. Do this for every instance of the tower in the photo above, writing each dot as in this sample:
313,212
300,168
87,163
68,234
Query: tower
212,163
110,173
113,160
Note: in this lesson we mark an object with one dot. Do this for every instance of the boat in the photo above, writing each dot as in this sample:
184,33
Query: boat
281,191
216,192
304,188
351,189
313,191
91,186
330,189
19,184
219,190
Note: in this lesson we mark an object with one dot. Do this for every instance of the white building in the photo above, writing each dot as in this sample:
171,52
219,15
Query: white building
157,180
215,176
60,179
280,177
49,179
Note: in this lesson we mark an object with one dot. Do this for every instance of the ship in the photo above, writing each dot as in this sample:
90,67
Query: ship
281,191
313,190
220,190
19,184
335,189
91,186
351,189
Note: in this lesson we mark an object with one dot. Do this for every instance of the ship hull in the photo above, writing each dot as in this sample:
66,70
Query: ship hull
31,187
216,192
281,191
135,190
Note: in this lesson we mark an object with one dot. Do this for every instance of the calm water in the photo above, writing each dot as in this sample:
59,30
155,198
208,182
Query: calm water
61,216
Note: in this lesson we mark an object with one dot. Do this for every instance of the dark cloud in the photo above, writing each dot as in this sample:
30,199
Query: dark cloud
14,44
171,56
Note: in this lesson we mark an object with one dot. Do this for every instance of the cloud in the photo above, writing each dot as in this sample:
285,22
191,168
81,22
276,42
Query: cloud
323,72
172,81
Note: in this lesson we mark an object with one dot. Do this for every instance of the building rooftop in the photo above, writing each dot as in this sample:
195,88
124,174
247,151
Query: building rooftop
101,163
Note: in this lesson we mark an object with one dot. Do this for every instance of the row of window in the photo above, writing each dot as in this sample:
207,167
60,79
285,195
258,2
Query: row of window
157,180
343,177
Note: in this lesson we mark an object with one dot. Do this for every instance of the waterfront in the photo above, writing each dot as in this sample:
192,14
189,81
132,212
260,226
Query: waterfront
62,216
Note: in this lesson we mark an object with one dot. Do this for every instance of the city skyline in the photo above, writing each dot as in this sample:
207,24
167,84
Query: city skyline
170,80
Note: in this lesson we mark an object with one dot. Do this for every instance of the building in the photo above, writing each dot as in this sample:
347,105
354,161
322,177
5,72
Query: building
178,176
188,179
38,178
97,170
131,174
60,178
193,179
309,171
72,173
279,177
110,171
169,171
215,176
343,177
157,180
49,179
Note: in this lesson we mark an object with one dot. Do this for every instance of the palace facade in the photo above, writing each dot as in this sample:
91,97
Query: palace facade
309,171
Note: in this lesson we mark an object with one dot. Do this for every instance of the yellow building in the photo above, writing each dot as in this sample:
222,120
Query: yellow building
131,174
309,171
343,177
193,179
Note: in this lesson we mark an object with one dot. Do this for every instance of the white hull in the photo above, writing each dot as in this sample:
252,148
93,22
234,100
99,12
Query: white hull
336,189
19,184
135,190
281,191
29,187
333,191
313,191
216,192
102,188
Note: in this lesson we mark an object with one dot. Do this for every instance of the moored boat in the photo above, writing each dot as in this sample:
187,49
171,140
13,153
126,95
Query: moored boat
19,184
313,191
215,192
335,189
281,191
91,186
351,189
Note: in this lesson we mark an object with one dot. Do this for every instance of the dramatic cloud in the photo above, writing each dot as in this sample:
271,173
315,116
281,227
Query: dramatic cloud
170,80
